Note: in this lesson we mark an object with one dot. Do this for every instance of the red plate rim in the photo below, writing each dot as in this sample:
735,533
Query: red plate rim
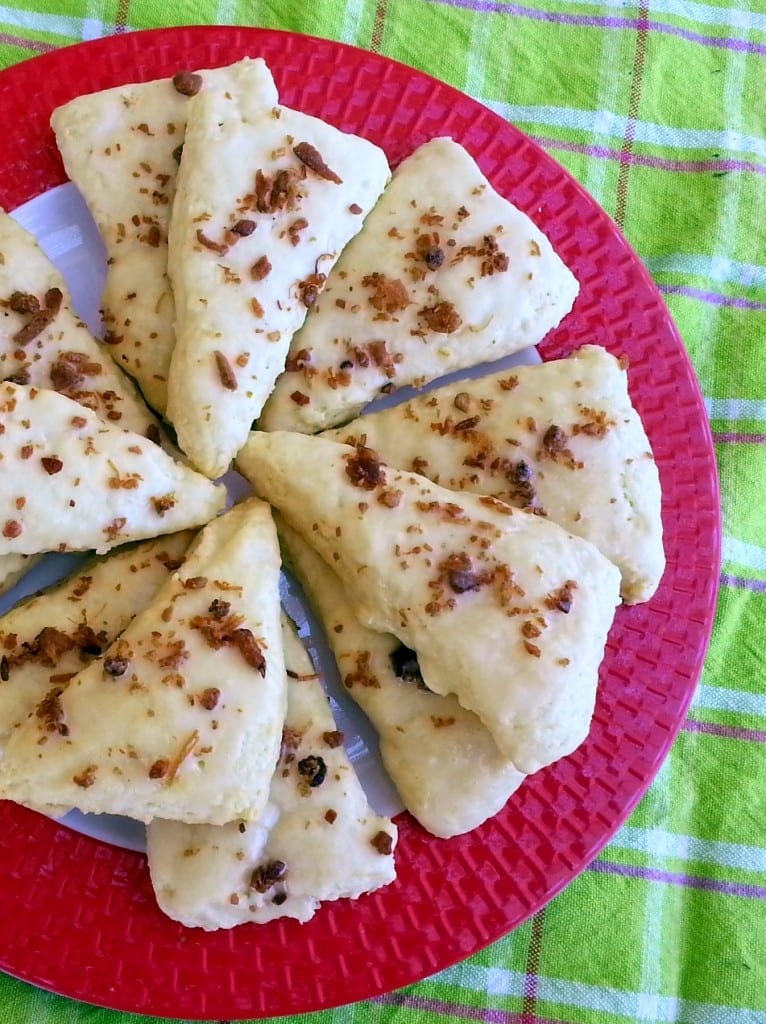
77,916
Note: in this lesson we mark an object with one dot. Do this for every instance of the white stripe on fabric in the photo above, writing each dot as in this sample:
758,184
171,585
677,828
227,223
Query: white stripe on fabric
476,72
716,268
734,409
352,22
751,556
56,24
659,843
616,1002
608,97
702,14
655,925
720,698
605,122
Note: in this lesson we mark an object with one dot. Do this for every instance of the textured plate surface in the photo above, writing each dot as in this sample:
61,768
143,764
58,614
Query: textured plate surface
76,915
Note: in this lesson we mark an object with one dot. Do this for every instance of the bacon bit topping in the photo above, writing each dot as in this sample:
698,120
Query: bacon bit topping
313,769
390,497
406,667
448,510
561,599
195,583
333,738
308,290
495,261
112,529
256,308
462,401
388,295
218,247
531,648
461,575
465,425
220,627
291,739
52,464
250,649
442,318
597,422
355,208
302,676
209,698
159,769
187,83
225,373
260,269
298,360
362,674
86,777
440,723
554,440
243,228
299,398
153,236
280,192
508,383
364,469
266,876
51,712
12,529
383,843
26,451
115,667
311,157
23,302
164,503
330,816
69,371
534,248
530,630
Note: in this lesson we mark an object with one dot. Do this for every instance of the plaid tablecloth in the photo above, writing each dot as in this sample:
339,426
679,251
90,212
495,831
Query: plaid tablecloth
658,107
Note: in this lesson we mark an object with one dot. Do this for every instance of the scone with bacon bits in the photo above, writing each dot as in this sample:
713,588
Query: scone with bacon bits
446,274
182,716
70,482
442,760
121,148
504,610
49,638
45,344
317,840
560,439
266,200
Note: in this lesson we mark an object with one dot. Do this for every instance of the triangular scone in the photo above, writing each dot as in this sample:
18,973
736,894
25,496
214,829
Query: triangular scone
70,482
505,610
266,200
121,148
317,840
50,637
182,716
45,344
446,274
444,763
561,438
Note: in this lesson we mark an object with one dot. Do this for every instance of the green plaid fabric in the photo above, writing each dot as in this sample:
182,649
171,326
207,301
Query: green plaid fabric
659,108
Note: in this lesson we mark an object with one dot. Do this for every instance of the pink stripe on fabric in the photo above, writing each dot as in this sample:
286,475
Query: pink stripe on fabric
606,21
605,867
734,437
743,583
729,732
712,297
27,44
441,1006
720,167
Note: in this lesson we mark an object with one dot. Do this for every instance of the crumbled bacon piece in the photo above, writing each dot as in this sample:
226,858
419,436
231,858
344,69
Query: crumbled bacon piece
86,777
209,698
220,627
442,317
333,738
163,504
461,575
218,247
383,843
364,469
312,158
52,464
267,875
299,398
363,674
51,712
70,369
187,83
115,666
554,440
244,227
260,269
281,192
225,373
308,289
313,769
250,649
494,261
23,302
561,599
298,360
389,295
160,768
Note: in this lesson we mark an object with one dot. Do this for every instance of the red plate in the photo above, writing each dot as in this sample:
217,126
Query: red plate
78,916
